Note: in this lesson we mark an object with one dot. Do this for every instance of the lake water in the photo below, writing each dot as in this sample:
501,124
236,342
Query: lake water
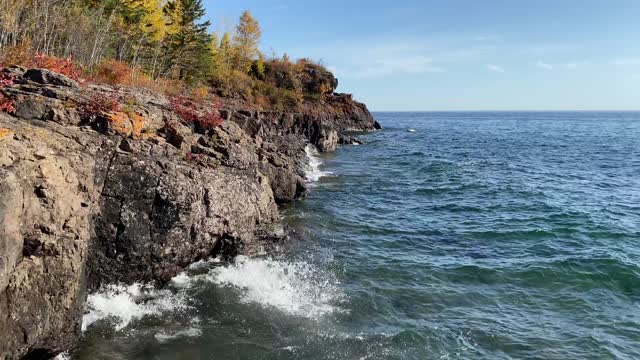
445,236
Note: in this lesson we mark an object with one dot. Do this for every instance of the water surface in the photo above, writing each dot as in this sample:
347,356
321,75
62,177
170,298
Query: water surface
446,236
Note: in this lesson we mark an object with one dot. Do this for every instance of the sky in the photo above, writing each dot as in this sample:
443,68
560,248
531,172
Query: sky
411,55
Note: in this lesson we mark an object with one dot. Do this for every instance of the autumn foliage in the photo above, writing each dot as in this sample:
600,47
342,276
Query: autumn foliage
99,105
196,112
113,72
64,66
6,104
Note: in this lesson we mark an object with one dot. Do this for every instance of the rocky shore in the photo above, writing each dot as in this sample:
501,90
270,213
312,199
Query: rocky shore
124,198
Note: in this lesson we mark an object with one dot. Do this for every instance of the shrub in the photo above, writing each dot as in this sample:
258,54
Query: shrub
62,66
194,157
20,54
113,72
6,79
204,115
6,104
98,105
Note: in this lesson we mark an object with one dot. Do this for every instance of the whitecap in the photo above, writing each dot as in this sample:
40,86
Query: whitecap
163,337
123,304
296,288
312,168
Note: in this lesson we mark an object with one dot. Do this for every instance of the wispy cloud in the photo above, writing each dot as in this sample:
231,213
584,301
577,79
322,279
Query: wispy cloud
495,68
488,37
544,65
575,64
384,66
624,61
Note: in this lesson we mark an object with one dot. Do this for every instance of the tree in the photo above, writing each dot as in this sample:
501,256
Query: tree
188,45
246,41
224,57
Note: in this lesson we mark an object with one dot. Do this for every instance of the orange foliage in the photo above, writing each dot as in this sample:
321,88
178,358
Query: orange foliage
59,65
113,72
20,54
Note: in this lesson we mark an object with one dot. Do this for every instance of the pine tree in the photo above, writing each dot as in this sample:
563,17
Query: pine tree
188,46
246,41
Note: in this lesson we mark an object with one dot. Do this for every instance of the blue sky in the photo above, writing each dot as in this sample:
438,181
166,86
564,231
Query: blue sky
461,54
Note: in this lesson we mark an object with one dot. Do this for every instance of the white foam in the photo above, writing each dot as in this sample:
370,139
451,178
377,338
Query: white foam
124,304
312,168
62,356
296,288
163,337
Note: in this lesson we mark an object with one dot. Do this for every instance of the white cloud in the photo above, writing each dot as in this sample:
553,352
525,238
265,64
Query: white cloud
544,65
495,68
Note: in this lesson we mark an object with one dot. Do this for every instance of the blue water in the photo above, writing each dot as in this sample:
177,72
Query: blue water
475,236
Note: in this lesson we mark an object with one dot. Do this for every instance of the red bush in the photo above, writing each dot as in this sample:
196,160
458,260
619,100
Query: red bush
6,79
6,105
99,104
194,157
62,66
199,113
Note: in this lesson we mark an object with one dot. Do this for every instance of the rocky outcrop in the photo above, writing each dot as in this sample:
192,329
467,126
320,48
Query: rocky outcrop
126,198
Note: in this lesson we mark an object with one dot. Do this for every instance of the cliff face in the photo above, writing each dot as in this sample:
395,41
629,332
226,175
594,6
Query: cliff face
125,198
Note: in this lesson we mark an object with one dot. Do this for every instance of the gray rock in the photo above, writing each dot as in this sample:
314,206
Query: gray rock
80,209
47,77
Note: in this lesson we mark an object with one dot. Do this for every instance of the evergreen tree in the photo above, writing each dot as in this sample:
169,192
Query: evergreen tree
188,45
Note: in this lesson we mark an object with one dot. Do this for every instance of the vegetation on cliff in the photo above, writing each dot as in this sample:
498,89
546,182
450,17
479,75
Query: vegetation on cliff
163,45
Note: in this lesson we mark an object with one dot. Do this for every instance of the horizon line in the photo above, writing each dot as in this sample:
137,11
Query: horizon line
514,110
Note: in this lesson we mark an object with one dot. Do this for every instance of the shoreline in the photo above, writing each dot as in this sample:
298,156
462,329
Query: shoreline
113,200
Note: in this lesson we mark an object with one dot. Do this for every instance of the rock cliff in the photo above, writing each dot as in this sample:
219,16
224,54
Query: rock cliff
126,198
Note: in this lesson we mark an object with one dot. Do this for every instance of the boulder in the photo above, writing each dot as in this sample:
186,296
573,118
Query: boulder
47,77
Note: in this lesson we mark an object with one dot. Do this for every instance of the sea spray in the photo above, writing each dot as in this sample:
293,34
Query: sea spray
297,287
313,173
123,304
294,287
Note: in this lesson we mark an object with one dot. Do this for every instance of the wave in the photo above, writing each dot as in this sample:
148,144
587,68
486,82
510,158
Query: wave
296,288
122,304
312,168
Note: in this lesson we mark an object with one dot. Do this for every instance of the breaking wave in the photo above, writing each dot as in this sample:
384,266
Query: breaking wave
296,288
312,168
122,304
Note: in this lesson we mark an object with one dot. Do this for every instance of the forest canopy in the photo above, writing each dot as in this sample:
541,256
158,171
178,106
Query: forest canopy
139,42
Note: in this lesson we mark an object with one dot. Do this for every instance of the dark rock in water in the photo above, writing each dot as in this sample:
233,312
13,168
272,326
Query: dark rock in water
345,139
81,208
47,77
